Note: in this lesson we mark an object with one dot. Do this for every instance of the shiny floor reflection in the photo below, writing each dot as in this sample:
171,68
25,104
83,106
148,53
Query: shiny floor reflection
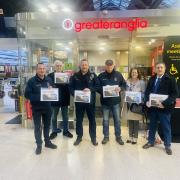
84,162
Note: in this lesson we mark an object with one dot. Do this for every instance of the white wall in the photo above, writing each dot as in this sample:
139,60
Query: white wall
8,44
97,58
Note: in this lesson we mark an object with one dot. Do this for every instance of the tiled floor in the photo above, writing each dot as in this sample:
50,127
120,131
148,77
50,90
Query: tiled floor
85,162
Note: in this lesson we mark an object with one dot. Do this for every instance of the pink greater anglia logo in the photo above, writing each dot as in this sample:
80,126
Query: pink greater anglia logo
68,24
129,24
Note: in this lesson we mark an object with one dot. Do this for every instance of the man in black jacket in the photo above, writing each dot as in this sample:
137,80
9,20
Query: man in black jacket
163,84
63,103
110,78
40,109
88,82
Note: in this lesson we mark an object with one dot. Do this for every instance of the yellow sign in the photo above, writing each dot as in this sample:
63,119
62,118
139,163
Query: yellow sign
173,70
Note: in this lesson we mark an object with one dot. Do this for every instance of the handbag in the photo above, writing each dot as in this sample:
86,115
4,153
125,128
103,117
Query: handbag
137,108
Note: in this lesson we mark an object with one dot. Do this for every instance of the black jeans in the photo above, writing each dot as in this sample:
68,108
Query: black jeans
42,116
90,110
133,128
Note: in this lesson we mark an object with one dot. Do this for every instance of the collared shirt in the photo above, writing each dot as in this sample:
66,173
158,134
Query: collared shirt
157,79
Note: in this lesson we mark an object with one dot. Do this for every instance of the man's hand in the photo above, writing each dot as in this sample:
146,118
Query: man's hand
86,90
50,87
148,104
160,105
117,89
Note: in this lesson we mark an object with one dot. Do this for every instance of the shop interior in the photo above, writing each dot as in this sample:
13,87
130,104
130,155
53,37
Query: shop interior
41,38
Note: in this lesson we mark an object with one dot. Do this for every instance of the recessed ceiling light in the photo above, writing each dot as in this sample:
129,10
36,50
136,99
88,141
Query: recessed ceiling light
102,48
52,6
44,10
59,44
138,47
66,9
103,43
71,43
67,48
153,40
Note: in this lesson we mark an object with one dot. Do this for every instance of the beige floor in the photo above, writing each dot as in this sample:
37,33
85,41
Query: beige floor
85,162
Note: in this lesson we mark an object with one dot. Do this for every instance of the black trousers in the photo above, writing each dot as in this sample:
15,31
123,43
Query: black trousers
42,119
90,110
133,128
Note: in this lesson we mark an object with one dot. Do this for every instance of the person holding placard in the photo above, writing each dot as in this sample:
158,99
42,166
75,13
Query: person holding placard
134,84
41,109
160,110
83,86
63,101
111,84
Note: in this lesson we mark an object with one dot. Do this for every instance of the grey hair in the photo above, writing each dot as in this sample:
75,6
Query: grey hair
57,61
160,63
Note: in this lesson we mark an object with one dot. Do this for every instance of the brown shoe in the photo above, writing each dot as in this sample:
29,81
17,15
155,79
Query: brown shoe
147,146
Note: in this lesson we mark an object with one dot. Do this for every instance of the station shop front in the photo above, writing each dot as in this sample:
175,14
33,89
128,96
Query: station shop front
131,38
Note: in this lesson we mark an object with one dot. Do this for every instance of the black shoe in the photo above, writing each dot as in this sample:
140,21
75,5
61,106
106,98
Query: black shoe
119,140
50,145
128,141
53,135
147,146
68,134
105,140
134,142
78,140
94,142
168,150
38,150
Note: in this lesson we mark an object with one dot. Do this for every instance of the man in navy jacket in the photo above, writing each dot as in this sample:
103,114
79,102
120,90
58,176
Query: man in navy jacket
111,77
86,81
40,109
63,103
163,84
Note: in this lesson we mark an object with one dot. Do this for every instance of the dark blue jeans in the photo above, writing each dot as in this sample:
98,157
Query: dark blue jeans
90,110
64,113
115,113
164,119
39,117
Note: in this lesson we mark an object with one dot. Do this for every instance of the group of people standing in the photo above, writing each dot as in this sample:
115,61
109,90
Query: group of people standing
87,81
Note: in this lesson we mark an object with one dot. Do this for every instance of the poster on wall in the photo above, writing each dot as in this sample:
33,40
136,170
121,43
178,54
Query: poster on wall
171,57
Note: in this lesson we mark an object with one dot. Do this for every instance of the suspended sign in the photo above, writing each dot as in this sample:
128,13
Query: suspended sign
103,24
171,56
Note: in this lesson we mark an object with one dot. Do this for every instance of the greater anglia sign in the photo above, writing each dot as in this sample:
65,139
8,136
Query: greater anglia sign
129,24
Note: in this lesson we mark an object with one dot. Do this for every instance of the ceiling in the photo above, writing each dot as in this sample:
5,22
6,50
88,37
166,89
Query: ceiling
47,30
11,7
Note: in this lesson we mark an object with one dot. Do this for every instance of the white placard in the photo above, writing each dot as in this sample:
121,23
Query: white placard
155,98
133,97
61,78
109,91
49,94
81,96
